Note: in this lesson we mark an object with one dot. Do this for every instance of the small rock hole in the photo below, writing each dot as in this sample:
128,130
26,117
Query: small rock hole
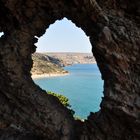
1,34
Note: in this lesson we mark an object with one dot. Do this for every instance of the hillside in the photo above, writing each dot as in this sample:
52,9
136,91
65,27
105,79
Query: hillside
50,64
43,64
73,58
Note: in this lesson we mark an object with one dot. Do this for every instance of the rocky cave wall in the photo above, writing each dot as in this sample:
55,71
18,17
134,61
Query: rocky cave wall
26,112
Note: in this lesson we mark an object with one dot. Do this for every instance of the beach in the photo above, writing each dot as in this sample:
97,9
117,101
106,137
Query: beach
37,76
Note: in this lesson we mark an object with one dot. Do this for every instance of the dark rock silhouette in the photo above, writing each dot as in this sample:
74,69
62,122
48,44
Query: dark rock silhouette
114,30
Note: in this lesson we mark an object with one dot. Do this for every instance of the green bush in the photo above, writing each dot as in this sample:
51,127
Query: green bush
78,118
63,99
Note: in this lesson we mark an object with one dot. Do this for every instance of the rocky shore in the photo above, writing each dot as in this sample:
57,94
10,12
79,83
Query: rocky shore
46,66
51,64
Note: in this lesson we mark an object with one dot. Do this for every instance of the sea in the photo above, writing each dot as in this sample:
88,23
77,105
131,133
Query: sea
83,87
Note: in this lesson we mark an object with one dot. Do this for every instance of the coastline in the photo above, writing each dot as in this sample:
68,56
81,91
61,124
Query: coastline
45,75
38,76
94,62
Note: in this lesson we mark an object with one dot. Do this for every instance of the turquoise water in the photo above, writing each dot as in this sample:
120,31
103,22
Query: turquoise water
83,87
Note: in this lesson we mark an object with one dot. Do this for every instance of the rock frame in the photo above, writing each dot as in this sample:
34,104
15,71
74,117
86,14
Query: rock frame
114,30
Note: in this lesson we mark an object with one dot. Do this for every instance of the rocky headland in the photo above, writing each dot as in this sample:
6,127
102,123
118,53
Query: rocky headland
51,64
46,66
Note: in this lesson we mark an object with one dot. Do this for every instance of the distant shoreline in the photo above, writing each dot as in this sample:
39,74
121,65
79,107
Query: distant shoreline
45,75
38,76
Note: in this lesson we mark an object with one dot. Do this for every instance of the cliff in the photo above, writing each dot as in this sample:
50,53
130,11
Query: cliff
73,58
46,65
51,64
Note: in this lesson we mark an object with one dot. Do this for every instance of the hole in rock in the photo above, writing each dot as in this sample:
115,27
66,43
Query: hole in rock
64,64
1,34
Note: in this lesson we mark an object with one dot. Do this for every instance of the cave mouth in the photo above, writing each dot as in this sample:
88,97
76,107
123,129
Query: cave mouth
82,85
114,35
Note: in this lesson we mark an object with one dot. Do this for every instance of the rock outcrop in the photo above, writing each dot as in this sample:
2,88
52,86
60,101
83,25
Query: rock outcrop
51,64
46,65
114,30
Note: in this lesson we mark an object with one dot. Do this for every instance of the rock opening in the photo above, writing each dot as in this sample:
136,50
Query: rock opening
114,32
64,44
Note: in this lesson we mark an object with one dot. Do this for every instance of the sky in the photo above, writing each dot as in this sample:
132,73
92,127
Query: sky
64,36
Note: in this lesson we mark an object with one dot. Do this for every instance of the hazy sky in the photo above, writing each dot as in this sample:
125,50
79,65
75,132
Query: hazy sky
63,36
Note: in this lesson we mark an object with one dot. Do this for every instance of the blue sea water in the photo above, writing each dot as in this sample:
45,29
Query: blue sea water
83,86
